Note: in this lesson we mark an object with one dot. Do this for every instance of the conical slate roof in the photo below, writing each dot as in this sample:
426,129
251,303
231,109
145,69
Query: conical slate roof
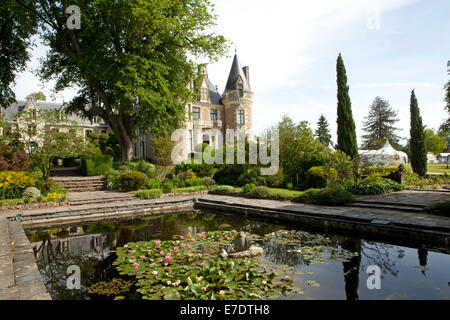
236,72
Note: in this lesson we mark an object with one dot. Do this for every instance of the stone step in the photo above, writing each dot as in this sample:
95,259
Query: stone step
101,200
391,206
116,207
390,203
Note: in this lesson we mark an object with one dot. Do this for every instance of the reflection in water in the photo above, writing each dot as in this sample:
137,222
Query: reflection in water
90,247
351,268
423,258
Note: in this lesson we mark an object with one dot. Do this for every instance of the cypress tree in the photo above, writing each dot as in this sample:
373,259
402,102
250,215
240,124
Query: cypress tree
322,131
346,132
418,149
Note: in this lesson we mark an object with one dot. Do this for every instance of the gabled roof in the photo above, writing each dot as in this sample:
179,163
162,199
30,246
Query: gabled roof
10,113
236,72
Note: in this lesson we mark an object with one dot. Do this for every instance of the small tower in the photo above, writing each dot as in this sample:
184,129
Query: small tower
238,100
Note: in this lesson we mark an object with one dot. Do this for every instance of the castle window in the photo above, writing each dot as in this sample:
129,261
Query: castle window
213,114
196,113
204,94
87,133
241,117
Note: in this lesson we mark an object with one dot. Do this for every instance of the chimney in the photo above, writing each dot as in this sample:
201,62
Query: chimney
247,74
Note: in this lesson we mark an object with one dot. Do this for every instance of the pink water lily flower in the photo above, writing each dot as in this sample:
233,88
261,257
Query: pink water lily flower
125,247
181,238
142,257
132,251
189,246
158,243
135,265
175,249
220,240
234,231
169,258
183,245
162,253
228,238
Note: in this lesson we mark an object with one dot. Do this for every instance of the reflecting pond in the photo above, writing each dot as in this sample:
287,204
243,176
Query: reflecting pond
324,266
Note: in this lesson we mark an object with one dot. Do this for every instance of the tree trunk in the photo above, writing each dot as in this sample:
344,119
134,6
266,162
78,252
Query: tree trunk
126,145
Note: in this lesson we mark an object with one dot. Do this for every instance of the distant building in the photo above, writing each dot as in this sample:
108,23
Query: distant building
387,155
444,158
12,116
432,158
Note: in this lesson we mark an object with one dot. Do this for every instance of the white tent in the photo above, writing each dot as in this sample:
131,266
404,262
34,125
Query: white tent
387,155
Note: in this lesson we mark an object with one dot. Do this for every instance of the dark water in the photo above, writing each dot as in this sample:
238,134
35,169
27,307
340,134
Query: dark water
406,273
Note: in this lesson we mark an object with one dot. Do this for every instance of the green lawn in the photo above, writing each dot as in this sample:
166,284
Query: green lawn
434,168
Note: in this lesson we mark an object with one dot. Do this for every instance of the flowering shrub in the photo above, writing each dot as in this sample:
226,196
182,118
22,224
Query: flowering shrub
182,269
13,183
20,180
55,197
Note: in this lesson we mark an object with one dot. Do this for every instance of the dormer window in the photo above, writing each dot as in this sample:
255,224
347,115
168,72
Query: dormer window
204,94
240,88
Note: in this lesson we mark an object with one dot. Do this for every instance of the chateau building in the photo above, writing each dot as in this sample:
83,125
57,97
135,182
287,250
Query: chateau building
209,118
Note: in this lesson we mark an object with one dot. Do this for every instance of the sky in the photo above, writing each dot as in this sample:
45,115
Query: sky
389,47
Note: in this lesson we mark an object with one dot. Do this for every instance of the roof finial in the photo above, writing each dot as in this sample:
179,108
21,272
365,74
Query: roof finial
235,49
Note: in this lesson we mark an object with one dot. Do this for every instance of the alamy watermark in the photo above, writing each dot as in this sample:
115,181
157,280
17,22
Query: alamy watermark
74,21
374,18
73,281
374,280
235,149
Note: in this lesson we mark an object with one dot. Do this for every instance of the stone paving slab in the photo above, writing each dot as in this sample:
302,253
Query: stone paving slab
20,278
419,198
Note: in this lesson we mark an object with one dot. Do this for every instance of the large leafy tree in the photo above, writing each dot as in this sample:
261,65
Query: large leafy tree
417,142
16,28
433,142
323,132
130,59
38,96
346,131
379,125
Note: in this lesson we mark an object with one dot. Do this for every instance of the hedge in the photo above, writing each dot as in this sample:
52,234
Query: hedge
96,165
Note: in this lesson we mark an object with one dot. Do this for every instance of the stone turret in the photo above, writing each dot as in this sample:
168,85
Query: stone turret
238,99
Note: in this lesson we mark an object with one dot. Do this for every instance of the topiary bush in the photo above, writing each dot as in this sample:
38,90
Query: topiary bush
249,187
132,180
149,194
96,165
167,186
31,192
318,177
